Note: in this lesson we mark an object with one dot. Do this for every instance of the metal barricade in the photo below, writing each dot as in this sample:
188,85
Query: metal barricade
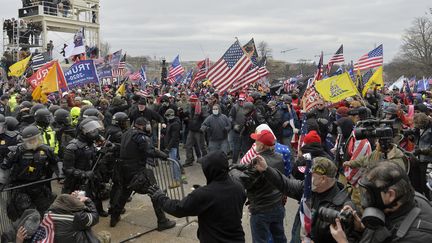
5,222
163,171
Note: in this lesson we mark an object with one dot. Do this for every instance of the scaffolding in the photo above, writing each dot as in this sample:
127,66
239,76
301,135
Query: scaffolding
37,18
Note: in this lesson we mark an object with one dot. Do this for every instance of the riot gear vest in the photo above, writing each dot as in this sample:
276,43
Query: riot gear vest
79,155
31,165
133,145
9,138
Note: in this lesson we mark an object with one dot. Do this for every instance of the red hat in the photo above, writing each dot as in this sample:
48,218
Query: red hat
242,96
342,111
312,137
193,97
265,136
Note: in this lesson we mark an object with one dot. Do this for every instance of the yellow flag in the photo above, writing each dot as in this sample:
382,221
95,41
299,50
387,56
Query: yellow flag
336,88
18,68
48,85
375,80
121,89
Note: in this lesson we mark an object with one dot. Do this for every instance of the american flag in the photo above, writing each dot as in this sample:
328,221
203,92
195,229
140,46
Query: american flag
188,77
230,68
370,60
114,59
45,232
303,132
175,70
121,70
256,71
310,97
289,84
319,71
136,76
305,203
356,149
336,58
367,76
202,71
39,60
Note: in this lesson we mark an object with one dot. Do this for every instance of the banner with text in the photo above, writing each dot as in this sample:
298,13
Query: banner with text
81,73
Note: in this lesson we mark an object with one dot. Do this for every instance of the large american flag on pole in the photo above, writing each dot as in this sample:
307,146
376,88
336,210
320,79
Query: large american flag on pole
336,58
305,202
175,70
39,60
45,232
256,71
371,59
202,72
230,68
320,66
121,70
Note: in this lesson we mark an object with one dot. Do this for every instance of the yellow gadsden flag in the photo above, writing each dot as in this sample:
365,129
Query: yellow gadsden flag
336,88
121,89
48,85
375,80
17,69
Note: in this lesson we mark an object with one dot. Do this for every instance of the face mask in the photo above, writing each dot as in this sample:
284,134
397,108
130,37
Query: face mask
215,112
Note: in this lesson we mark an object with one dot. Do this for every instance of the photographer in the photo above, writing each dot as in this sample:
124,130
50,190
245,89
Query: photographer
326,192
393,211
423,149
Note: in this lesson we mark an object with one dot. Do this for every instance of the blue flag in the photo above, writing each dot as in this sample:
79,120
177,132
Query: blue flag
81,73
422,85
188,77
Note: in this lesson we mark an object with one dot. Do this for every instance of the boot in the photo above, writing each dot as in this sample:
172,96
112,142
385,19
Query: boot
163,222
100,210
114,220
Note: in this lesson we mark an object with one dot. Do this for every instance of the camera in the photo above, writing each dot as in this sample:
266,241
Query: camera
329,215
381,129
410,132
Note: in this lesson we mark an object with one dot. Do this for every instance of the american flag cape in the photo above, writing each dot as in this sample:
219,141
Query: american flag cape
371,59
175,70
336,58
279,148
201,74
45,232
303,132
356,149
229,68
305,203
256,72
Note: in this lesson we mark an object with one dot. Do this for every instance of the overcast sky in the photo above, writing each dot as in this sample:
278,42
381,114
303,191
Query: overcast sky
197,29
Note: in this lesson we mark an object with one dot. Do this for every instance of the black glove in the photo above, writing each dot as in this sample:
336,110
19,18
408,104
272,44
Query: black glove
241,167
162,154
155,192
89,174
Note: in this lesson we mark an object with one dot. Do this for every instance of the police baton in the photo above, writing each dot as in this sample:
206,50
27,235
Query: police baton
30,184
101,154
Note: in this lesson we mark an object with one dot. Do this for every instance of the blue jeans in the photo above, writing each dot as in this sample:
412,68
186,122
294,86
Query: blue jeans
175,166
268,224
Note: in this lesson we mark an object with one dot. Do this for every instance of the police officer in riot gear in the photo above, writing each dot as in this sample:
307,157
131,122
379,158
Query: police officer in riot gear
8,134
30,161
43,119
79,160
64,133
119,125
134,150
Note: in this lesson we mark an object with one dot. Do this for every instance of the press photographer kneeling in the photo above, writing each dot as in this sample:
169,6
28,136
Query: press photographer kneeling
393,212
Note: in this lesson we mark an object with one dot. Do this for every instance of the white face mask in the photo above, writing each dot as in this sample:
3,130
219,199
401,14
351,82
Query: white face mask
215,112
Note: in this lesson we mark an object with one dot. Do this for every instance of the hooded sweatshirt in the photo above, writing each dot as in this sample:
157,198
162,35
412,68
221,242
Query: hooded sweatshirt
218,205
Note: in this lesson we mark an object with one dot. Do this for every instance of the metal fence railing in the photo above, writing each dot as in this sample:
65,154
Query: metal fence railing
5,222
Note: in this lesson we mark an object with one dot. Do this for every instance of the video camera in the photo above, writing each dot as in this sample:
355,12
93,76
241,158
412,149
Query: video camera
329,215
376,129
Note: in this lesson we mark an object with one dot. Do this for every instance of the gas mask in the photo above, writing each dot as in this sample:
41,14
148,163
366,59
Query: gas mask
372,202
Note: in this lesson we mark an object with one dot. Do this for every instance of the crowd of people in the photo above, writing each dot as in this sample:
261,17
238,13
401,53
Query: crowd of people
370,159
26,32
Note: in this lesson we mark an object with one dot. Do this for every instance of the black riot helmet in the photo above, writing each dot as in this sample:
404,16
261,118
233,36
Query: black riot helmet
25,104
62,117
35,108
120,119
11,123
90,128
92,112
43,117
53,108
32,137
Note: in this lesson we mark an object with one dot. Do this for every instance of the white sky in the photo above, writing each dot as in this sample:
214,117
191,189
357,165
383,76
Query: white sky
196,29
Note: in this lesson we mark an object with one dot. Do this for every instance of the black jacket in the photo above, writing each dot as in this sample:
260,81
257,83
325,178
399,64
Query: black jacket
334,198
148,114
261,194
218,205
420,230
172,136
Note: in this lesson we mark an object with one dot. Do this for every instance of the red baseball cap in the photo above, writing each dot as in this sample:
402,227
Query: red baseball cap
265,136
312,137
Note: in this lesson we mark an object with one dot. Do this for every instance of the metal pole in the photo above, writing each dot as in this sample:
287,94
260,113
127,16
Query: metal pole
30,184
